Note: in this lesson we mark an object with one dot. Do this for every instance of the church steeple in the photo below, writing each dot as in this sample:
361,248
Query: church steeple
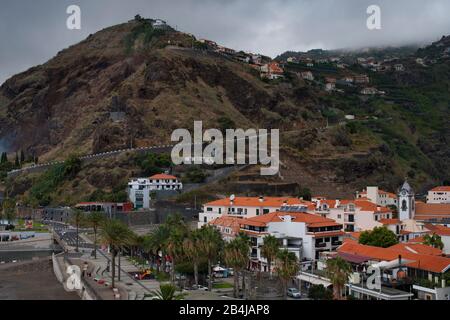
406,202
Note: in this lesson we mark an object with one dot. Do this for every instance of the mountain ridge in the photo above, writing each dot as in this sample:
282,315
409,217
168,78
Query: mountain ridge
129,85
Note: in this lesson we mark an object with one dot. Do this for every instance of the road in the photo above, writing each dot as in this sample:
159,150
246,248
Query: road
69,234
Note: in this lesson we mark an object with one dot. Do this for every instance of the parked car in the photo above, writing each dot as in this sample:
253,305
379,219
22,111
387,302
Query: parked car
293,293
199,287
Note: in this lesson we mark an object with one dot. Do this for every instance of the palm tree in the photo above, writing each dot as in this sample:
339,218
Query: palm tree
434,241
136,242
116,235
78,217
174,232
287,268
9,209
338,271
210,245
156,243
236,255
174,245
269,250
95,219
190,245
167,292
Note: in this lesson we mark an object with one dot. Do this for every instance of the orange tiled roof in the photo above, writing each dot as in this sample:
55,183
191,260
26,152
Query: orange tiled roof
438,229
275,202
417,248
390,221
363,204
226,221
163,176
418,261
354,235
426,211
441,188
274,67
311,220
390,194
327,234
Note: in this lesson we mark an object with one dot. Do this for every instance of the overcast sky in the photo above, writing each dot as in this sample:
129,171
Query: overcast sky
31,32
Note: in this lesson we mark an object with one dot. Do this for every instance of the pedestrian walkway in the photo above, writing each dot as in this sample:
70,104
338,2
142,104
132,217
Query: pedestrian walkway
132,288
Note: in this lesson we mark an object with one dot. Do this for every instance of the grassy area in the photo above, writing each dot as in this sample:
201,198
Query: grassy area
37,227
222,285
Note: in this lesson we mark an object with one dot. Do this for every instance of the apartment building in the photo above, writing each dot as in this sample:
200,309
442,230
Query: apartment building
439,195
300,232
354,215
378,196
244,207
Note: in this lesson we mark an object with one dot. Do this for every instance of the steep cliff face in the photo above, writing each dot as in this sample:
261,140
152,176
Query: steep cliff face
131,85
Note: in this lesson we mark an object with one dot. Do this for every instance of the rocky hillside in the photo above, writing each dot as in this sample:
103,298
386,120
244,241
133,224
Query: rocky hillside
132,85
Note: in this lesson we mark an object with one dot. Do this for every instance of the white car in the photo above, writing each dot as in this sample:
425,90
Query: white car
294,293
199,287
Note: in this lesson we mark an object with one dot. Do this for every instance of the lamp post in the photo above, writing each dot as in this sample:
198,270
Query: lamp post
300,252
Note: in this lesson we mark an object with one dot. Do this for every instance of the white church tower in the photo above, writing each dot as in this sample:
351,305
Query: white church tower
406,202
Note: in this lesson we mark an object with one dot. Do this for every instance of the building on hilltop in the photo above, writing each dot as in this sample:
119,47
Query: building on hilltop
140,189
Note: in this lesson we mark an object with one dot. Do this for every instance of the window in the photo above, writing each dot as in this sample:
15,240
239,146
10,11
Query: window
257,212
404,205
339,216
266,211
220,210
209,209
205,220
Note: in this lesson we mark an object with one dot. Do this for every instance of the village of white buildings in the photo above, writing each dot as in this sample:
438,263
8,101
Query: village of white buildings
323,228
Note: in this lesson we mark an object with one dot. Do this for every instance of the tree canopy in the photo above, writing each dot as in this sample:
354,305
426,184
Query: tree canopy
378,237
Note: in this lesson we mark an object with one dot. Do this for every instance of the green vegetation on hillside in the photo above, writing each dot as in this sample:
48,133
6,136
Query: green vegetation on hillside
44,187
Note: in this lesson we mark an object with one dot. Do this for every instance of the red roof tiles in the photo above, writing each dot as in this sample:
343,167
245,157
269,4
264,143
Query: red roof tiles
419,261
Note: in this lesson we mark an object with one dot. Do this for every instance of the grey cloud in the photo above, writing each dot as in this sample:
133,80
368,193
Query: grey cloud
31,32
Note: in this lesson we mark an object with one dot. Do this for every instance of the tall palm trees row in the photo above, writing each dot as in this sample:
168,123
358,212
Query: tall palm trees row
175,241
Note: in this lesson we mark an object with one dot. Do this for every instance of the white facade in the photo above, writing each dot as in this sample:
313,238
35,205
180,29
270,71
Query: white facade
139,189
406,202
296,234
439,195
164,182
378,196
242,207
354,215
139,193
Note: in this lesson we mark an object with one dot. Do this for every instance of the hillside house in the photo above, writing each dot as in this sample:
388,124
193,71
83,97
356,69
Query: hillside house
361,79
307,75
399,67
369,91
330,86
272,71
